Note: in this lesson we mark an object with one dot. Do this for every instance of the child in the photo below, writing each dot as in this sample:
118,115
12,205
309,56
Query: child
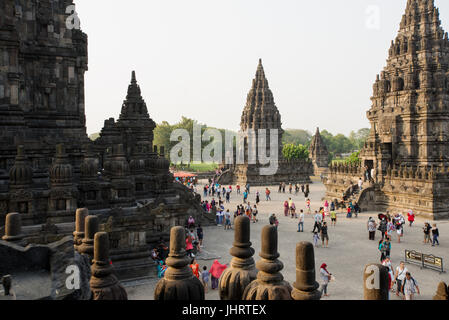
205,278
316,238
435,235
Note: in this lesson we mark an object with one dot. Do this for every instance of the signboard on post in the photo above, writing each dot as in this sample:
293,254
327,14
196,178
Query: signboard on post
428,261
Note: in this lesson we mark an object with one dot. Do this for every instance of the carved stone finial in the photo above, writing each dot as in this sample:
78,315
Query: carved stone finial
103,283
91,224
305,287
243,270
270,284
442,292
80,217
13,228
375,282
179,282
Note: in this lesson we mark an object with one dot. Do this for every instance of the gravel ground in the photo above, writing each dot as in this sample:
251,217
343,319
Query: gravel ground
348,252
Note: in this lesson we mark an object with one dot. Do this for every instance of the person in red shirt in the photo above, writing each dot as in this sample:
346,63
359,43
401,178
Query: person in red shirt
411,217
189,245
195,268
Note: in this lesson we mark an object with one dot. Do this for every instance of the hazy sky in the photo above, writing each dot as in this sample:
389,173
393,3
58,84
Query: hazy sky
197,58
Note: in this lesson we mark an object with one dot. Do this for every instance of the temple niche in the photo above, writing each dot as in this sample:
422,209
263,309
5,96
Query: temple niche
49,167
261,113
405,160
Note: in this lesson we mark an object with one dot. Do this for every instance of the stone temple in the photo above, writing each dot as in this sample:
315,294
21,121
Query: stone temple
261,113
48,165
406,157
319,154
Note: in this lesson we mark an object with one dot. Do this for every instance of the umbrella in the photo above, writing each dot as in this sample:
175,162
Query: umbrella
382,216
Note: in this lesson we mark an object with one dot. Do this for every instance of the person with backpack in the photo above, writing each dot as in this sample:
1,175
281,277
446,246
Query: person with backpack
399,277
383,227
385,249
410,287
435,235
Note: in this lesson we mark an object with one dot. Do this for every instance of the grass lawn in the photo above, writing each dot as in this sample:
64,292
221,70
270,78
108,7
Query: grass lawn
201,167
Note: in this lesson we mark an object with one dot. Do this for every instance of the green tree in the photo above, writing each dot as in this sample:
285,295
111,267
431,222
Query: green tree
296,137
295,152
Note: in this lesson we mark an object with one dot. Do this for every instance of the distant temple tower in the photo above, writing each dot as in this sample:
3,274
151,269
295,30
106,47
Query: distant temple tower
406,156
259,113
319,154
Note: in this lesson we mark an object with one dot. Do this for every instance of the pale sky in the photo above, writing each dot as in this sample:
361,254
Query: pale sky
197,58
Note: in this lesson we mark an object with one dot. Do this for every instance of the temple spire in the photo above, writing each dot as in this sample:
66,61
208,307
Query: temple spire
133,78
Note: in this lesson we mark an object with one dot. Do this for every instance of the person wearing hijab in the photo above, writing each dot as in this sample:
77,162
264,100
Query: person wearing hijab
325,277
216,271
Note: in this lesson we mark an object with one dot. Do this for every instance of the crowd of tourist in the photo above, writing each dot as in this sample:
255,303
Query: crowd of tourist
216,199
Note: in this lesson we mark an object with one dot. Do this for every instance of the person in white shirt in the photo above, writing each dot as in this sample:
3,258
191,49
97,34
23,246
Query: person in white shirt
318,217
399,277
360,184
301,221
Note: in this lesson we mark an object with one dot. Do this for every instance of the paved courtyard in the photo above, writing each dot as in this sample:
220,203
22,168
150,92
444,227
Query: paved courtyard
349,248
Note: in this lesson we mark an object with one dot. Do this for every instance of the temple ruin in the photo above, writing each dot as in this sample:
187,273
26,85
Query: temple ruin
261,113
49,167
405,160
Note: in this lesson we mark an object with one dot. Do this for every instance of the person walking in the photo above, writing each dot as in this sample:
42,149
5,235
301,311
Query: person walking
308,208
257,197
286,208
385,249
195,268
293,210
318,218
267,194
324,235
200,233
427,228
410,287
383,227
227,217
216,271
399,277
255,212
410,217
302,188
325,278
205,275
301,221
280,187
333,218
435,235
371,226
